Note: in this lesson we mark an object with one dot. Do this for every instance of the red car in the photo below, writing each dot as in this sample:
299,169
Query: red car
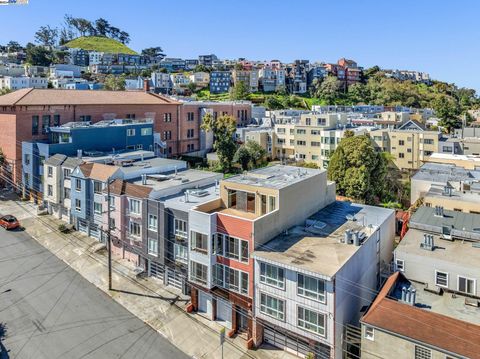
9,222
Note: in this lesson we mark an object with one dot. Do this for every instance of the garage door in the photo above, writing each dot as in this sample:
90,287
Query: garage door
82,226
155,270
94,231
286,342
204,304
224,313
174,278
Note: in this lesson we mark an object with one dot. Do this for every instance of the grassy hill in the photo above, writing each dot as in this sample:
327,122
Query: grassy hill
101,44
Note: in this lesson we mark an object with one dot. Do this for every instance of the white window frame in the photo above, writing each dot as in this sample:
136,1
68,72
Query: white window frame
402,266
132,224
50,171
78,185
436,279
131,207
318,295
152,226
50,190
419,347
303,327
153,247
95,209
178,223
130,132
180,253
279,315
274,282
369,333
78,208
467,279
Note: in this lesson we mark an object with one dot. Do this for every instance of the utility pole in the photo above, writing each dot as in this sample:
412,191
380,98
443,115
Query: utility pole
109,243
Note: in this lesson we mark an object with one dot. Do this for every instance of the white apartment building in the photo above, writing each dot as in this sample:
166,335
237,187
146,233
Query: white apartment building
22,82
313,279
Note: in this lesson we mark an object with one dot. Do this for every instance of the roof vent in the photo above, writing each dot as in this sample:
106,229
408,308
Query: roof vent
348,236
439,211
427,243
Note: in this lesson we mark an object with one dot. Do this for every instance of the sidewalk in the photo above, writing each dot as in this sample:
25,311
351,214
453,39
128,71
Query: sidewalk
160,307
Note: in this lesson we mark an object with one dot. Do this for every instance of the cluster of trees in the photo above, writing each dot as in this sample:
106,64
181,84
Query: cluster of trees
449,102
76,26
249,155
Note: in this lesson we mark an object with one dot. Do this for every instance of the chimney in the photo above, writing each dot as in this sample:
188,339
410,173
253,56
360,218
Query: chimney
146,85
408,297
186,196
404,294
79,154
413,296
175,171
356,239
144,179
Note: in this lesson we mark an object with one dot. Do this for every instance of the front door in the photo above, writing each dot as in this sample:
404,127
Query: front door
242,319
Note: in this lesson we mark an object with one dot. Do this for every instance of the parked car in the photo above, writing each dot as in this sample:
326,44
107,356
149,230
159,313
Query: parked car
9,222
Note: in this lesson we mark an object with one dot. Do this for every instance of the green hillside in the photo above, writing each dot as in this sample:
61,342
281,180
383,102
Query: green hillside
101,44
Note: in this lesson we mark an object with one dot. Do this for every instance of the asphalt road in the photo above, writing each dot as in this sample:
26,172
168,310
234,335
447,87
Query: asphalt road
49,311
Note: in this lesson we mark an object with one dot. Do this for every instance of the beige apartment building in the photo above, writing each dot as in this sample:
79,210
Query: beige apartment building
410,145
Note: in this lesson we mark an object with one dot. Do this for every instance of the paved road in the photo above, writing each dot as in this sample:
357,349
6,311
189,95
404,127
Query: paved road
49,311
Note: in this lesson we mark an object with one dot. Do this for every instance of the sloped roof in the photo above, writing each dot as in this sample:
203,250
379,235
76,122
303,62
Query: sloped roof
56,160
98,171
412,125
26,97
421,325
120,187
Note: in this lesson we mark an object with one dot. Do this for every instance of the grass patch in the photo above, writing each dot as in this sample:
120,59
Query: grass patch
101,44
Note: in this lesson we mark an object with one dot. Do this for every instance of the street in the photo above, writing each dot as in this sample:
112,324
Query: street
47,310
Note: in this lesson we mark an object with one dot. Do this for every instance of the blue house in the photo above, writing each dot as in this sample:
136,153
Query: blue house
220,81
112,136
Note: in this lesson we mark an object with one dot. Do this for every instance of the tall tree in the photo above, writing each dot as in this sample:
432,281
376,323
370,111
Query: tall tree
46,36
330,90
258,154
242,157
114,32
223,129
155,52
358,169
13,46
239,91
448,110
38,55
124,37
84,26
102,26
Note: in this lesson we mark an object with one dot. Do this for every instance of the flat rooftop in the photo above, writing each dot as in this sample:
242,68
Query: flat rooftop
187,178
442,173
276,177
460,252
446,304
462,225
319,245
101,124
472,196
178,201
450,156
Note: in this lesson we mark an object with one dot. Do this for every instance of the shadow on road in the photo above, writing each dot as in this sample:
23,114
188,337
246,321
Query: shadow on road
172,300
3,350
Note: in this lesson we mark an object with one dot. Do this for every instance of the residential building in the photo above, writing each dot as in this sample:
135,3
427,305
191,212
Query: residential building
271,79
180,82
24,114
312,281
248,77
161,82
220,81
207,60
200,79
22,82
172,64
57,185
65,70
442,175
465,161
430,307
406,75
190,64
81,138
78,57
12,69
410,145
297,76
316,72
252,209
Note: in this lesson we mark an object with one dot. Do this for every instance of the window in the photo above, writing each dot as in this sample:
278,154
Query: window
441,279
49,171
50,190
78,185
190,133
428,141
401,155
66,173
400,265
27,159
97,208
311,321
198,272
422,353
147,131
130,116
272,203
112,223
311,288
244,251
232,247
251,202
180,253
45,123
97,187
401,142
301,143
167,117
86,118
466,285
152,222
66,193
263,204
35,121
180,228
272,275
301,131
134,229
190,116
130,132
308,121
272,307
199,242
369,333
134,205
153,247
315,144
78,205
56,120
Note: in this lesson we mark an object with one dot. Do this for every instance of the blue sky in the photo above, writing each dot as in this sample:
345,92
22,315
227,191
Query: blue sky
439,37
